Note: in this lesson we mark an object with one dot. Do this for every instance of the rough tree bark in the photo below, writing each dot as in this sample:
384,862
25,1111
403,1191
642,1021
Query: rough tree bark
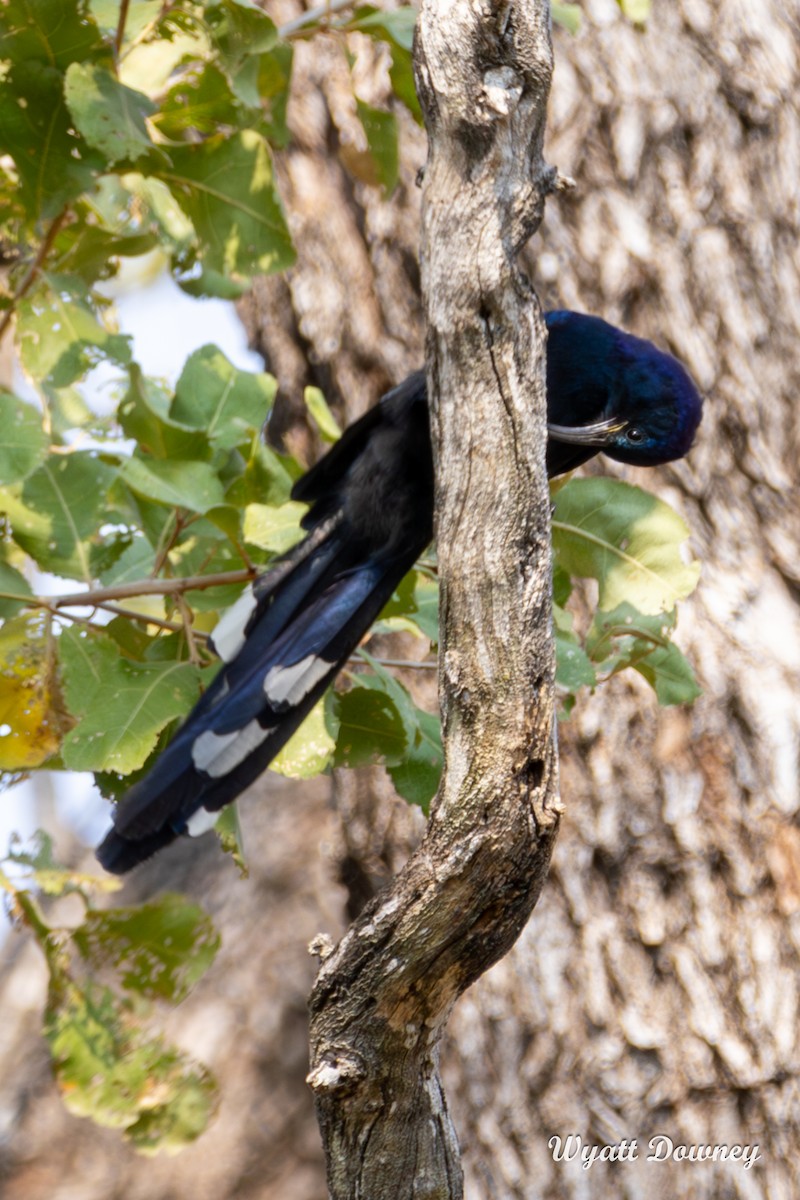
655,988
382,997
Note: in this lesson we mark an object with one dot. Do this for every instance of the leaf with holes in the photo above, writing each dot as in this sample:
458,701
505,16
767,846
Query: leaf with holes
63,506
24,443
121,705
111,116
158,950
54,164
31,718
61,336
108,1069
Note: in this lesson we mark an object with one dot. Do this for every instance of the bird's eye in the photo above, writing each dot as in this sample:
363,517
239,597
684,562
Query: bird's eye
634,435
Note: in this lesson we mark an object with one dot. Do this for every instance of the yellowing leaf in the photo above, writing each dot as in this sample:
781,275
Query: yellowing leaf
30,723
310,749
274,528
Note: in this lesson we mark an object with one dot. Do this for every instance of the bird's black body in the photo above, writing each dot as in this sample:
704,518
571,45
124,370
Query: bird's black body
371,516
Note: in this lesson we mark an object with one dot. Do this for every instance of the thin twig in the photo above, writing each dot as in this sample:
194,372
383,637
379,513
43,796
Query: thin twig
142,587
410,664
29,278
292,28
120,34
186,614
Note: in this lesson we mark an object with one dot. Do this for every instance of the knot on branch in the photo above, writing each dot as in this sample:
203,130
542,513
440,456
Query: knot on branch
339,1072
502,88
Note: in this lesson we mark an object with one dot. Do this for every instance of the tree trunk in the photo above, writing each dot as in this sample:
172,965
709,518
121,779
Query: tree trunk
382,997
655,989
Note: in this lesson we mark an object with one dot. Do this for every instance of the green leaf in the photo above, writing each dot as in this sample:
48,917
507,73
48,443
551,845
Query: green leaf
229,831
140,14
53,162
417,777
321,415
60,335
267,478
158,950
628,638
637,11
13,582
382,165
310,750
275,529
401,76
122,705
393,25
24,443
108,1069
55,32
201,101
143,415
136,561
226,188
229,405
369,726
627,540
568,16
416,600
68,496
670,675
562,586
396,27
273,79
158,207
110,115
573,666
239,30
183,484
84,248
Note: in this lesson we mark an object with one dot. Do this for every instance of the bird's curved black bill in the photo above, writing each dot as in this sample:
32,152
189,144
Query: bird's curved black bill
599,433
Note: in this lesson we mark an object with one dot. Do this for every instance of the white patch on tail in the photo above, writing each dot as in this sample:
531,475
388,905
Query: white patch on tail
287,686
201,822
228,636
219,753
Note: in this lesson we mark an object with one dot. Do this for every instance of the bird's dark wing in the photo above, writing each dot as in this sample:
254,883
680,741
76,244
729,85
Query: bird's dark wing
288,636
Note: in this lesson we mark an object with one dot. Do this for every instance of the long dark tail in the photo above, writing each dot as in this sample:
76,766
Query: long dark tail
302,621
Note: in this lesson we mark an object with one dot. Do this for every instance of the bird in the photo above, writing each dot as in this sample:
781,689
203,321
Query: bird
370,516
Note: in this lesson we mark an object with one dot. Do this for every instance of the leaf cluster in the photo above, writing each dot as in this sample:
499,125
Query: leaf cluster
105,973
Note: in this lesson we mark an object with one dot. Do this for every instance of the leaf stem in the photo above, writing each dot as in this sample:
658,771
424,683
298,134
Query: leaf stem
29,278
120,34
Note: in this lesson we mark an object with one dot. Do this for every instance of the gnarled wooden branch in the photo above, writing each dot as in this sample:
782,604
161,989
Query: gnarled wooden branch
382,996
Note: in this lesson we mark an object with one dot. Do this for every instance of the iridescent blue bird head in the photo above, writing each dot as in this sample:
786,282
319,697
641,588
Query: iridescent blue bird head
620,393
